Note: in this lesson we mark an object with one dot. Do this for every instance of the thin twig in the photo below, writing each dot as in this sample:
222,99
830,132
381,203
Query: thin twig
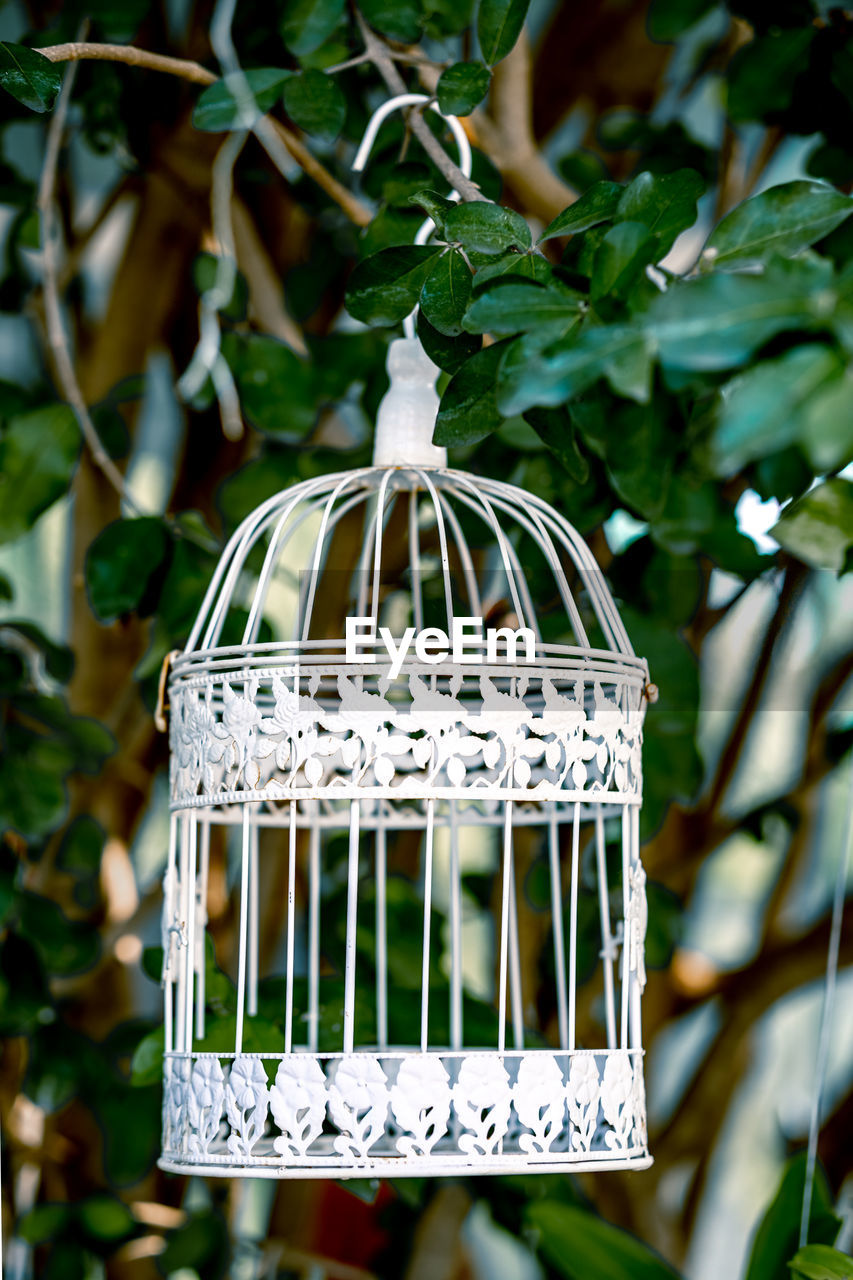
381,57
56,335
194,72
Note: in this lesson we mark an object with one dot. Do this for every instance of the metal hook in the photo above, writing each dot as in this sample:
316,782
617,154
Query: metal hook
462,144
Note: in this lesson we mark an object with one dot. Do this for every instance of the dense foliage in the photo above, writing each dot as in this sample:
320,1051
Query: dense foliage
641,328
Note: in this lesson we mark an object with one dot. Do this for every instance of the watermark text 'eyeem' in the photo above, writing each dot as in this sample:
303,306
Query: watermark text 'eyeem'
469,643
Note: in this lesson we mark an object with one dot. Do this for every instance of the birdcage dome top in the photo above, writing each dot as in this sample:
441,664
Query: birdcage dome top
374,632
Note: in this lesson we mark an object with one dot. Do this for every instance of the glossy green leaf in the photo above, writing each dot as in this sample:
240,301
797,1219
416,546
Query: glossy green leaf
277,390
399,19
105,1217
29,76
38,454
469,409
433,204
385,287
623,253
617,352
557,432
446,293
315,103
718,321
597,204
307,24
818,529
776,1238
765,409
481,227
783,220
462,86
522,266
663,202
512,306
499,24
580,1245
123,563
448,353
218,107
821,1262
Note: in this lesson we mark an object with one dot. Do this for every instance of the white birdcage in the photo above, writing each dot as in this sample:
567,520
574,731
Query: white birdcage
340,768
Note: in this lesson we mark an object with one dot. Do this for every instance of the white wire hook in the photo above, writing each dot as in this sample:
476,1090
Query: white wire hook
462,144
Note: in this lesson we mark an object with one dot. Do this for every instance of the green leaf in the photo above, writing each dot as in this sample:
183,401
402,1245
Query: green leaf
762,74
616,352
580,1245
481,227
462,86
307,24
217,109
512,307
468,410
669,18
597,204
448,353
433,204
499,24
58,658
399,19
718,321
384,288
765,409
818,529
277,389
524,266
105,1217
820,1262
147,1064
38,453
315,103
776,1238
122,565
783,220
557,432
29,76
446,293
663,202
623,253
65,946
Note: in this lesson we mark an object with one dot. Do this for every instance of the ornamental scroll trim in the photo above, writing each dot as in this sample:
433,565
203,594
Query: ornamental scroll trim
233,736
362,1106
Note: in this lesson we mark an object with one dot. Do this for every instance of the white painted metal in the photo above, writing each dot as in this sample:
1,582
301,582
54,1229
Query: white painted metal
340,766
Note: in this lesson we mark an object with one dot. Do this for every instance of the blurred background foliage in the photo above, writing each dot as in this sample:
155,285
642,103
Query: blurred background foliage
670,367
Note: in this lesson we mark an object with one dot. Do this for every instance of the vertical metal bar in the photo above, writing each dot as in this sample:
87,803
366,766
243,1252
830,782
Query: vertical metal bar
606,934
192,902
183,917
515,997
245,845
291,929
636,994
507,873
352,907
557,926
381,935
455,934
168,994
573,923
428,843
415,562
314,937
626,973
201,944
254,939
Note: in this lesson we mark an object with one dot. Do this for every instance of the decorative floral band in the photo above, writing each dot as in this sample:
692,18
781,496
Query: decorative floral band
424,1106
232,737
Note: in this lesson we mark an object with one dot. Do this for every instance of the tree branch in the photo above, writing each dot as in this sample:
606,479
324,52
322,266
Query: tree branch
56,336
381,57
195,73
